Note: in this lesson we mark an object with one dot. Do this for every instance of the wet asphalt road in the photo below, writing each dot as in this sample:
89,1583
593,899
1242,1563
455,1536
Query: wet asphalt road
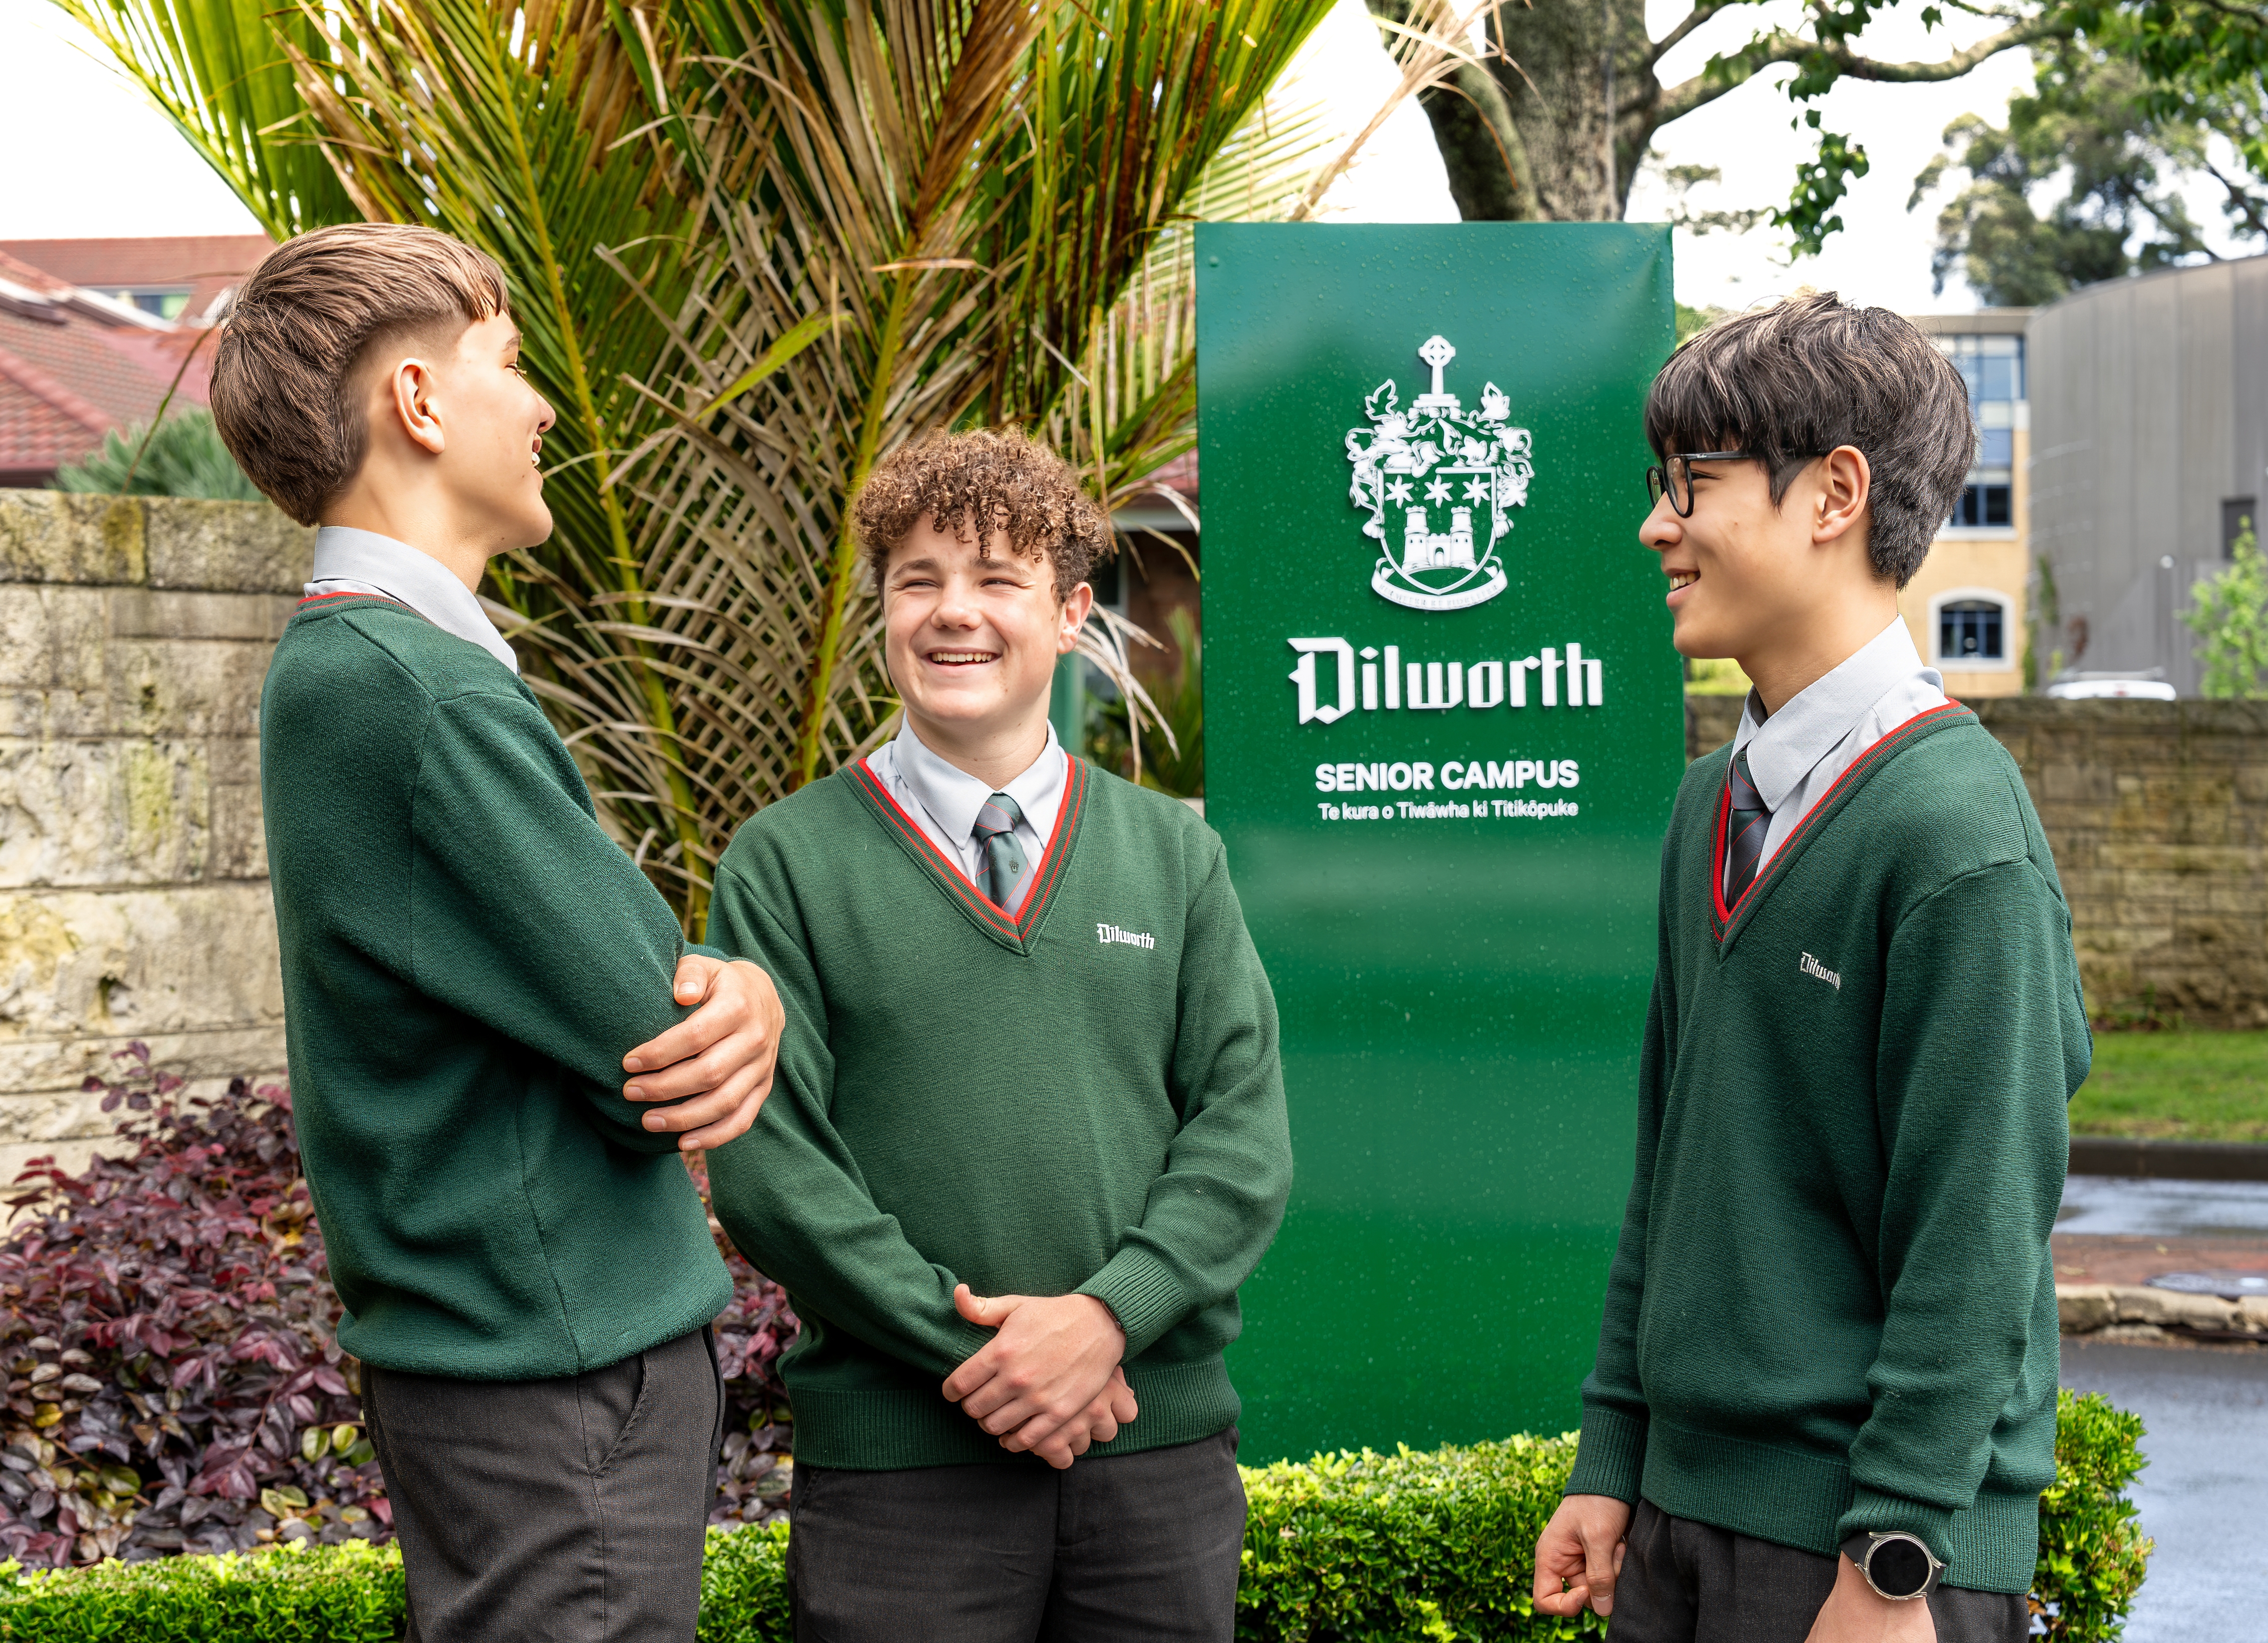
2204,1494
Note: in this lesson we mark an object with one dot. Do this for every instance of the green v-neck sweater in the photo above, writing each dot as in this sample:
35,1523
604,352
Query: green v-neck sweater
1832,1306
467,959
1085,1097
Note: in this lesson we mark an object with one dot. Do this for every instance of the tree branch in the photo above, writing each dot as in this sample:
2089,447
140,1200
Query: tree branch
2246,203
1839,61
1700,14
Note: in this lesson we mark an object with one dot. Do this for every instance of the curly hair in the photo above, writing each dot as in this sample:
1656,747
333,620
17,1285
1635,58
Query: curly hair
993,476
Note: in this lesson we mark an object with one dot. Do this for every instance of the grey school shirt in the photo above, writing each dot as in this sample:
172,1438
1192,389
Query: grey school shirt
1797,753
350,561
943,800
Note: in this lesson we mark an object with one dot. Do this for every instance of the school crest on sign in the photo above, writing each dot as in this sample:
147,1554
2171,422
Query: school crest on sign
1438,482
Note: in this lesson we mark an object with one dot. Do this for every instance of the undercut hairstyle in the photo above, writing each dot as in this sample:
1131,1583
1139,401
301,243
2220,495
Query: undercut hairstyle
973,484
1792,382
287,389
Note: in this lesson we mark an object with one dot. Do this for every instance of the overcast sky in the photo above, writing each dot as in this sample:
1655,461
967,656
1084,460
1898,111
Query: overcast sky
108,164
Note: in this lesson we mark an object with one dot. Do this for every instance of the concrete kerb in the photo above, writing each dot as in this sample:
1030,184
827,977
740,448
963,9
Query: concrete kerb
2116,1312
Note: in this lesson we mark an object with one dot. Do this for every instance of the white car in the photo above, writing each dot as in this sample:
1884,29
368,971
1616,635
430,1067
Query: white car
2140,689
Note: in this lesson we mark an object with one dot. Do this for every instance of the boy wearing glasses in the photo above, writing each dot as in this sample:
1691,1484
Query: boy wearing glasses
1823,1404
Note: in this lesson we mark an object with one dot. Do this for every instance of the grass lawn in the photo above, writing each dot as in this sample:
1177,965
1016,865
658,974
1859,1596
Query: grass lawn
2189,1086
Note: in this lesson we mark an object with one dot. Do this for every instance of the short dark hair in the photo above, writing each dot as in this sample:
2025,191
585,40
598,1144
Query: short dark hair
973,483
1793,382
285,393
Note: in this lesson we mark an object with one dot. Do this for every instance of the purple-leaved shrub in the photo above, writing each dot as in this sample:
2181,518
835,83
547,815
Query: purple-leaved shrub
174,1383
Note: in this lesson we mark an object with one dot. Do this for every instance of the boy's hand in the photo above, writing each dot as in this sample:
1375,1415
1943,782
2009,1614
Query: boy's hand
1053,1358
1098,1423
720,1055
1583,1545
1855,1612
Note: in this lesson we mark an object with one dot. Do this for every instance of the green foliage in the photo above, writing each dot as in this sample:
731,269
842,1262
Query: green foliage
744,1586
2230,619
1810,215
2206,61
2092,1552
1373,1547
1344,1548
1174,766
185,458
345,1594
2047,622
2085,127
219,71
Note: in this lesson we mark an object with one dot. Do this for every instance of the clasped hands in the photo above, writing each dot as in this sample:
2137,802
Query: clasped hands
716,1065
1050,1380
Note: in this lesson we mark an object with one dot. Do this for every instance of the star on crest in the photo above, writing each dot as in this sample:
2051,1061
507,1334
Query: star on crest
1398,491
1438,490
1477,489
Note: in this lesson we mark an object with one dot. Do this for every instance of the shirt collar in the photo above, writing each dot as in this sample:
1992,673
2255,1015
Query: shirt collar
953,796
414,578
1782,748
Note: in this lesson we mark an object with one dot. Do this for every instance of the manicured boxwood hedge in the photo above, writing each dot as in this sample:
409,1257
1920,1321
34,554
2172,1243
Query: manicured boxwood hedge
1360,1548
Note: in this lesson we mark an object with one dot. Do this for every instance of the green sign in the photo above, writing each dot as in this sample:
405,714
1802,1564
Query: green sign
1444,725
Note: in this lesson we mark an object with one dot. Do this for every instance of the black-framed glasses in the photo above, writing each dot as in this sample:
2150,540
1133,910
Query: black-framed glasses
1674,476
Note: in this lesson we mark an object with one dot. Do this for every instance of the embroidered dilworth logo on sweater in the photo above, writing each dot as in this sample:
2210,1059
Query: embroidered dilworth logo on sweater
1109,933
1811,966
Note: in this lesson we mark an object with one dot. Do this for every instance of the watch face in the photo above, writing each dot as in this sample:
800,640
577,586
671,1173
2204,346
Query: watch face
1898,1568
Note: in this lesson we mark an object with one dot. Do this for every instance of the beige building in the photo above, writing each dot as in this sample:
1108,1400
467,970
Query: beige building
1967,605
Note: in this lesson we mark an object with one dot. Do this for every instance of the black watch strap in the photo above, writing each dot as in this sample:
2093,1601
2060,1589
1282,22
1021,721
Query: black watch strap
1896,1564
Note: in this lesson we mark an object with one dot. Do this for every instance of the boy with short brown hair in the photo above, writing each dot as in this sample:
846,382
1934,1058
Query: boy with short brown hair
1824,1401
1032,1055
470,965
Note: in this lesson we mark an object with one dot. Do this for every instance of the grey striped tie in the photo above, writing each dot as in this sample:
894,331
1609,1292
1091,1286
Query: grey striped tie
1004,858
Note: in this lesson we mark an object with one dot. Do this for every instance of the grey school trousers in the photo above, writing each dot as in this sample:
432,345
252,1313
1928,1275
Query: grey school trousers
1119,1549
569,1510
1688,1582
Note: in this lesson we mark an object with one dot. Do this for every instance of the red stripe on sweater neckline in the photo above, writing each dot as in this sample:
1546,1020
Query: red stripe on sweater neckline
1044,875
1725,915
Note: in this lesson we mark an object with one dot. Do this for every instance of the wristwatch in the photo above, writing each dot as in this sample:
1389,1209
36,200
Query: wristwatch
1897,1566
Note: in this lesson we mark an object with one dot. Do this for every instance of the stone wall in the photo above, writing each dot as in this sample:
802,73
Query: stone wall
134,635
2158,815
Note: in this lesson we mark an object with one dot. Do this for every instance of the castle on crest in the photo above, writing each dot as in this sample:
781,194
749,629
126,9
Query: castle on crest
1425,551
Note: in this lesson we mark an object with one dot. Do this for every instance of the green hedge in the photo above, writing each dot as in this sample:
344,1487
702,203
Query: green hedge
1366,1548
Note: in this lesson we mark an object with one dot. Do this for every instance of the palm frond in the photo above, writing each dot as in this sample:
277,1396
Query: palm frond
528,131
219,71
980,192
754,246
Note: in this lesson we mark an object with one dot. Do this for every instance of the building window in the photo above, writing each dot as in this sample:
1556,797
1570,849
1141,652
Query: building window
2238,515
163,302
1970,631
1983,505
1992,369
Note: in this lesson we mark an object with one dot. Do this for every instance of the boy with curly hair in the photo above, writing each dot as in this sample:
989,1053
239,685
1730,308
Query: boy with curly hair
1824,1401
1029,1133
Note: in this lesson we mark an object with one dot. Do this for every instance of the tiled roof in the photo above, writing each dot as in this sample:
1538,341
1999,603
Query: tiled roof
74,365
207,264
36,438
